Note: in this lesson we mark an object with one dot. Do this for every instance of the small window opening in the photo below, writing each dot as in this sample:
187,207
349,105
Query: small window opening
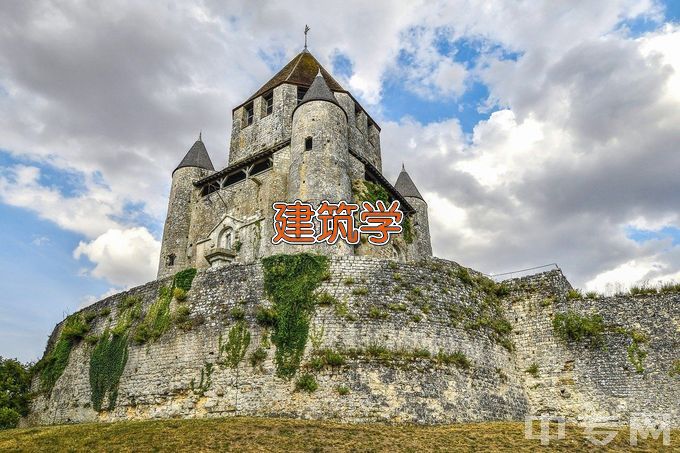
249,113
301,91
308,144
171,259
268,103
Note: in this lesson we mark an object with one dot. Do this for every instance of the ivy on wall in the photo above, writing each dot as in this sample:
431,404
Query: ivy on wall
290,281
54,363
107,363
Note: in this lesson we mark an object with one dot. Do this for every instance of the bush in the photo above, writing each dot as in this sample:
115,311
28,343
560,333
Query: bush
675,369
179,294
265,317
342,390
325,299
9,418
457,359
237,313
574,294
533,369
258,356
571,326
75,328
642,290
88,316
464,276
182,319
104,312
15,383
306,383
327,357
376,313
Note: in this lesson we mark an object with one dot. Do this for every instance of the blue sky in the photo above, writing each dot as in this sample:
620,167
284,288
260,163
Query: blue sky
506,118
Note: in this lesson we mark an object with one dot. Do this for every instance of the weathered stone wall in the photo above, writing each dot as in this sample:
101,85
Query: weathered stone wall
266,130
178,221
580,379
380,303
401,307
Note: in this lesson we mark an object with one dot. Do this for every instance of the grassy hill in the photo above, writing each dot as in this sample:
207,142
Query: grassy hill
261,434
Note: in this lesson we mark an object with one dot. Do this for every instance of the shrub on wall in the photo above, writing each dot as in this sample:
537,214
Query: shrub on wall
237,343
54,363
571,326
290,281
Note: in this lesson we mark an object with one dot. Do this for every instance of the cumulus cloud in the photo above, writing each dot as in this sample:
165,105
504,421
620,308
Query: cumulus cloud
122,257
580,143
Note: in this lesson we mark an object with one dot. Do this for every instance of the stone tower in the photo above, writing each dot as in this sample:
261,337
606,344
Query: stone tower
301,136
421,247
319,151
175,253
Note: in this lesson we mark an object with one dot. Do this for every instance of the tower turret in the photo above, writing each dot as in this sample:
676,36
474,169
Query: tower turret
319,162
420,247
319,150
175,253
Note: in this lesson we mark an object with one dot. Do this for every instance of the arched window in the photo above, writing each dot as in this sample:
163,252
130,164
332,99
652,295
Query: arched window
308,144
225,239
170,260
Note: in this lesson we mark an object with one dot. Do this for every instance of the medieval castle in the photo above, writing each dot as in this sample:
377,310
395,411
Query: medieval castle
235,325
300,136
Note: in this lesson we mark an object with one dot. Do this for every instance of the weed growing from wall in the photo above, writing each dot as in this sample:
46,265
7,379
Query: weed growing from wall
206,380
368,191
157,319
290,281
237,343
571,326
107,363
54,363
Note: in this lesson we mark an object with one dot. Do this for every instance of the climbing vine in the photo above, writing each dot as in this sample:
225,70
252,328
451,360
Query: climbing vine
368,191
54,363
290,281
107,363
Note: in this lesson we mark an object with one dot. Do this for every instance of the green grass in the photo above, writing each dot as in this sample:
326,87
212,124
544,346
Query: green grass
284,435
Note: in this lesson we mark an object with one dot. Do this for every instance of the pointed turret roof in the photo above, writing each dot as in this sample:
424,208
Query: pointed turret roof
197,156
319,91
301,70
405,185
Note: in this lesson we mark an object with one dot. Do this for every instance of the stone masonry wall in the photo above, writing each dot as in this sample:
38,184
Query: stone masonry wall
401,307
380,303
579,379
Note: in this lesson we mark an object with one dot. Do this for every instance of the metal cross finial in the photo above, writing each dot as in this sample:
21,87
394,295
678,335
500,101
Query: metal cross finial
199,136
402,166
306,31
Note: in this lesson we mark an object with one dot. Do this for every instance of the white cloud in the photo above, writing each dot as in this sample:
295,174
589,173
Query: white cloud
582,142
89,213
122,257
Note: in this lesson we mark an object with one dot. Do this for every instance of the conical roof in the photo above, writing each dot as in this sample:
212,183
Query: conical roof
197,156
319,91
301,70
405,185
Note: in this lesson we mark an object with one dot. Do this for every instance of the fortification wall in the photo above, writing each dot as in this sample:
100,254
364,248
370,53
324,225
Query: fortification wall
380,304
581,379
394,324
